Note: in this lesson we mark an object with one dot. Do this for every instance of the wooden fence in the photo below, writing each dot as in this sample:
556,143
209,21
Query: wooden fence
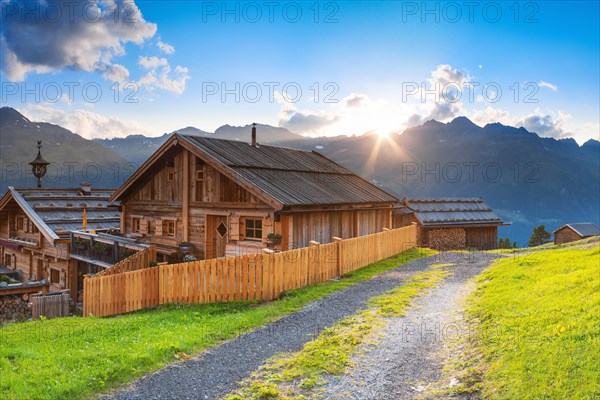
50,306
246,277
139,260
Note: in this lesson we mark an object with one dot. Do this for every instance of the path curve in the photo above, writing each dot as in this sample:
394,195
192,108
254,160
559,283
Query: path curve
407,358
217,371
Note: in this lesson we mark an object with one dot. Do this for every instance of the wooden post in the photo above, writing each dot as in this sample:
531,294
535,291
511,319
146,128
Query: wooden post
185,204
338,262
122,222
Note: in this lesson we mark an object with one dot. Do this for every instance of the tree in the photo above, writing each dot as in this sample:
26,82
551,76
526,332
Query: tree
540,236
514,245
504,243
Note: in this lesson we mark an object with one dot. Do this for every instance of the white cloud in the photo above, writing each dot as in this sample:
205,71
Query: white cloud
152,62
545,124
159,75
85,36
115,72
548,85
490,115
85,123
442,97
165,48
356,100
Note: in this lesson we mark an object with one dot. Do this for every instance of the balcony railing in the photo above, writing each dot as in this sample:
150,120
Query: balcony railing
102,249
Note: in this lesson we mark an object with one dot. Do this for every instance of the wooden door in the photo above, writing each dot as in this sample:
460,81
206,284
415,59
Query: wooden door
216,236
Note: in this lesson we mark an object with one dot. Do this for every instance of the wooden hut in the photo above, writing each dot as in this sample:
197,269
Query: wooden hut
35,227
571,232
225,197
450,224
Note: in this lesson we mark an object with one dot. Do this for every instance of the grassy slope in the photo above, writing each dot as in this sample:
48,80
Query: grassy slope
538,318
77,357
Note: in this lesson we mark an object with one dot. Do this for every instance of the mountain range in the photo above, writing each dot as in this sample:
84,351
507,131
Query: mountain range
527,179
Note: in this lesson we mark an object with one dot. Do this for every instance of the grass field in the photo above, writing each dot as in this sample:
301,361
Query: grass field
72,358
538,325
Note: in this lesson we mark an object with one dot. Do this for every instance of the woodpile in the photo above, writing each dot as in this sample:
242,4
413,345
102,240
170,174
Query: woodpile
447,239
14,308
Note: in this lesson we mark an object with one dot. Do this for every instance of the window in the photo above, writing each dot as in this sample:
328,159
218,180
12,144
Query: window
150,227
254,229
170,176
199,185
54,275
136,225
169,228
20,223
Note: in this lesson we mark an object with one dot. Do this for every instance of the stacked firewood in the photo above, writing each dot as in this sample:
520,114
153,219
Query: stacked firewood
448,239
14,308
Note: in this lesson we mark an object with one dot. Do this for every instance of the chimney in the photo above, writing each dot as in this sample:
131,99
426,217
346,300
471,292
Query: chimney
254,134
86,189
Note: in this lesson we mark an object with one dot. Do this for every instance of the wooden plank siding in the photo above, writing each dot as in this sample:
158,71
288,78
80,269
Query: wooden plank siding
184,189
247,277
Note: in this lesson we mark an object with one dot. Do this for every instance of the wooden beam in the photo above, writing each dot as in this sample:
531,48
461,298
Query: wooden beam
123,218
185,204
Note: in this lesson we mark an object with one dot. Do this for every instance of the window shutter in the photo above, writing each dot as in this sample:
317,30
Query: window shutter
144,226
267,226
159,226
234,228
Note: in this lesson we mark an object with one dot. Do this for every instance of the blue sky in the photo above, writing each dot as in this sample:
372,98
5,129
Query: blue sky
365,60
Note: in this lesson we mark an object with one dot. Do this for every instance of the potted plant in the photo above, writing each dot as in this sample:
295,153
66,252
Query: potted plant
189,258
274,238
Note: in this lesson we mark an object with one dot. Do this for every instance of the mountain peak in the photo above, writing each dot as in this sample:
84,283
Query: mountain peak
9,114
463,122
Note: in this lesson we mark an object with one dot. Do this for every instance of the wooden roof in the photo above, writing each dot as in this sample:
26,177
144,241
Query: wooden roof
452,212
55,212
282,177
583,229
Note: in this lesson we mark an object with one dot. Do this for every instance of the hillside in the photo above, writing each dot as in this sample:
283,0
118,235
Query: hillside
537,319
73,159
527,179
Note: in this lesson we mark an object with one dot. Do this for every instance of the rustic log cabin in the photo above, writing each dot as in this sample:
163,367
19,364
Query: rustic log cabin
35,227
226,197
450,224
572,232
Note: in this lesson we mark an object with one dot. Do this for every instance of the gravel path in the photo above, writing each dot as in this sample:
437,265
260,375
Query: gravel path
217,371
407,357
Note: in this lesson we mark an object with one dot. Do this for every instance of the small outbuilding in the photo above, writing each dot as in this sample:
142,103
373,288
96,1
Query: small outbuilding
450,223
572,232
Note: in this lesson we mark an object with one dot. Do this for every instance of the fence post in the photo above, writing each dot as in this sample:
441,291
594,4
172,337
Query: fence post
338,256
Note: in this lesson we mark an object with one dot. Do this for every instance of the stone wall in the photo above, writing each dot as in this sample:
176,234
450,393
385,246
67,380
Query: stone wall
14,308
447,238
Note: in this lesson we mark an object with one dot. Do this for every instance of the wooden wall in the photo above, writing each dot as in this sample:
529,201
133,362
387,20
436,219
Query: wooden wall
211,196
160,197
34,261
566,235
322,226
482,238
